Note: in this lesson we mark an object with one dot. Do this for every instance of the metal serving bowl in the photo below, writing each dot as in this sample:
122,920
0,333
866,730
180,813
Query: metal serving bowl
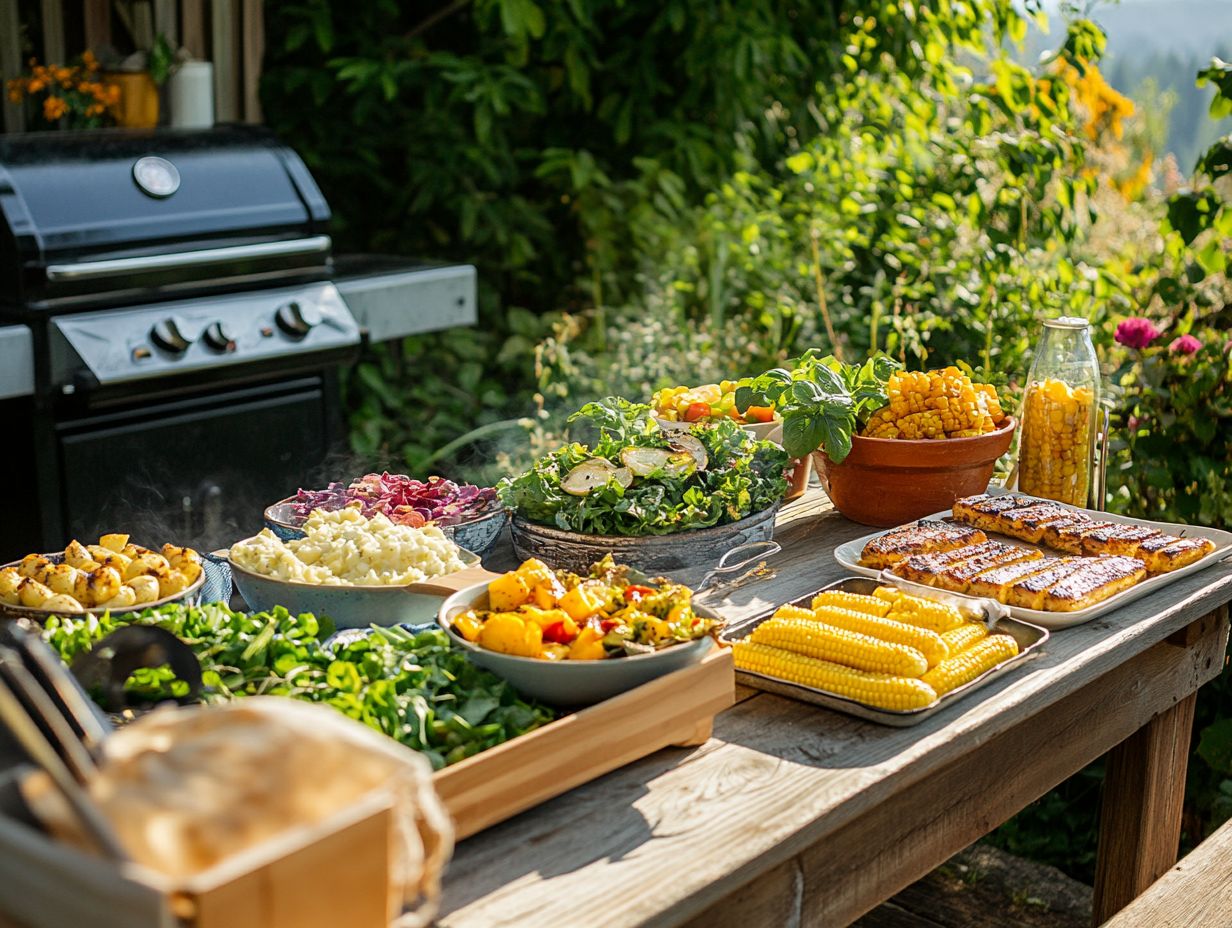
349,606
189,595
477,534
684,556
570,683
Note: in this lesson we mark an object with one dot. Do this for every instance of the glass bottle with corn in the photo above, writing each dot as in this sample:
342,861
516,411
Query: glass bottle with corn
1057,444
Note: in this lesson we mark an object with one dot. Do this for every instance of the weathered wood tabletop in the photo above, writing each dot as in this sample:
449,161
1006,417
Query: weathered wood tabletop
794,815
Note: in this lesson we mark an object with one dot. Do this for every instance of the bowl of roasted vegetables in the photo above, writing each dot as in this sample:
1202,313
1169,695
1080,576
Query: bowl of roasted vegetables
468,514
568,639
665,502
114,575
680,408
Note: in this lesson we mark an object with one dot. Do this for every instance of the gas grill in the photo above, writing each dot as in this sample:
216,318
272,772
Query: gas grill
172,323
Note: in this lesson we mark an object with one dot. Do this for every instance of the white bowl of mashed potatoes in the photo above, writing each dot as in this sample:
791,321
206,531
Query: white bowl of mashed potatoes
355,571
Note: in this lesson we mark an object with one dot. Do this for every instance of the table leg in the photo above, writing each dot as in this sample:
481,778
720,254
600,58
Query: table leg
1140,818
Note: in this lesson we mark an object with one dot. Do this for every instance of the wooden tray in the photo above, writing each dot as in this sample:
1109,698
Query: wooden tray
848,554
677,709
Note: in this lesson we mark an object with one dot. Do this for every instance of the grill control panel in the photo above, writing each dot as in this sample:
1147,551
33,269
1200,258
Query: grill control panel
170,338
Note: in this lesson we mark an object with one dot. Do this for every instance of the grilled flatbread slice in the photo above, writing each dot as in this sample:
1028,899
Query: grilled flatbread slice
925,568
1167,552
1028,592
923,537
983,511
958,577
1029,523
1068,536
995,582
1095,581
1116,539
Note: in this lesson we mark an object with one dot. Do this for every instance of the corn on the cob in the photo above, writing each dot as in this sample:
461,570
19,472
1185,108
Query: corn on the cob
889,594
1055,456
792,612
875,689
961,638
924,612
925,641
856,602
969,664
810,637
935,404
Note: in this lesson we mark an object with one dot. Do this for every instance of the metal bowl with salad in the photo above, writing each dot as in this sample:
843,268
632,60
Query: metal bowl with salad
639,483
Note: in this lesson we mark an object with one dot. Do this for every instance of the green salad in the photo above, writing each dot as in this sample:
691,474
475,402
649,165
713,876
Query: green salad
638,479
414,687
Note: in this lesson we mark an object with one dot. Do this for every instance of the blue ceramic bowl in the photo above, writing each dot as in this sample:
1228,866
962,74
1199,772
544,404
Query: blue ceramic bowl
570,683
479,534
348,606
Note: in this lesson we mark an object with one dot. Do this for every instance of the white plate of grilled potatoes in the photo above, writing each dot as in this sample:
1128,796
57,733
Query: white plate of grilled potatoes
114,575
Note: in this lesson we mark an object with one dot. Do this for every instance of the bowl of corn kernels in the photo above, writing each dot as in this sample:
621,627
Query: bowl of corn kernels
937,439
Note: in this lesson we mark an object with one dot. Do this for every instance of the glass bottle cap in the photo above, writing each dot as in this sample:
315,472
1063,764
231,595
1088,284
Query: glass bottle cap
1066,322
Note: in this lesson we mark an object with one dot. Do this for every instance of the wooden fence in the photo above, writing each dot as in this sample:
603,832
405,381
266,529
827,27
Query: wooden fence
229,33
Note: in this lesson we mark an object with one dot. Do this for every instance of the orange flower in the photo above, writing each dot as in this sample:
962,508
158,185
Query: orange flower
35,84
88,59
54,108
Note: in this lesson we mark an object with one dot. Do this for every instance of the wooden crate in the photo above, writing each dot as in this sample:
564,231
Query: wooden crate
279,884
677,709
321,876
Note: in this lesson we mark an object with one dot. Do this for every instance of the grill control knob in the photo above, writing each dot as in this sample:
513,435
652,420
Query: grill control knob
167,336
294,320
218,338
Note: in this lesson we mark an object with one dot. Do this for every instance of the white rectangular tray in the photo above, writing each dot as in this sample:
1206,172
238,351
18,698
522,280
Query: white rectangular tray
849,556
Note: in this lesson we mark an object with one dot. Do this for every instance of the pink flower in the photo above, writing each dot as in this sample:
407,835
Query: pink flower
1133,423
1136,332
1186,344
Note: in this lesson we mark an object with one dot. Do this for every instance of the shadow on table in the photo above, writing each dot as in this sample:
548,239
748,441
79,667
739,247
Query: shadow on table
552,839
803,733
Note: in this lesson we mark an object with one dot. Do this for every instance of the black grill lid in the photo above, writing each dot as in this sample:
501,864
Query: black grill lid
78,203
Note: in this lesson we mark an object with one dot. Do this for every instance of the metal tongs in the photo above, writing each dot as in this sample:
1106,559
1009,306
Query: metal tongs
720,578
990,612
54,725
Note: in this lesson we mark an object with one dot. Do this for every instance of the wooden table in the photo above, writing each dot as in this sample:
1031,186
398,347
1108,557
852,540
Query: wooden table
792,815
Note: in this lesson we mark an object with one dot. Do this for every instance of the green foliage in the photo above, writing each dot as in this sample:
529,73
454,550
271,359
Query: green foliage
589,152
742,476
414,687
822,401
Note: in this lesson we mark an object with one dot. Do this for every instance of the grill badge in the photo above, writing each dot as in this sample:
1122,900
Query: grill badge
157,177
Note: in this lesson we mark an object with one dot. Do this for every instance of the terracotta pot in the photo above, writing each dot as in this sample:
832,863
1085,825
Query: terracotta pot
138,104
889,481
798,477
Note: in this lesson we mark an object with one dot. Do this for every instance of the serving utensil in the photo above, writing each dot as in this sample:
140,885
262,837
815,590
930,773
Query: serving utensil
47,738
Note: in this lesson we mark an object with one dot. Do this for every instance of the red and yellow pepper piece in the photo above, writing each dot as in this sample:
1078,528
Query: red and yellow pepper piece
553,615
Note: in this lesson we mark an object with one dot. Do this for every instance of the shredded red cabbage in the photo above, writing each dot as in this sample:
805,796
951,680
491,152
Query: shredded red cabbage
401,498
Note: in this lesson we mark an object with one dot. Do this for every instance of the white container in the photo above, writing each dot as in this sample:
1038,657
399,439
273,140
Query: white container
191,95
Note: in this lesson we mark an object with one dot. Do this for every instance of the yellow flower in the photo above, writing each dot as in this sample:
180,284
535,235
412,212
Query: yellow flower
54,108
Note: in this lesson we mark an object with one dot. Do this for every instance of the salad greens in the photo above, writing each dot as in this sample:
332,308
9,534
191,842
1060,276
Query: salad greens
822,401
414,687
734,478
